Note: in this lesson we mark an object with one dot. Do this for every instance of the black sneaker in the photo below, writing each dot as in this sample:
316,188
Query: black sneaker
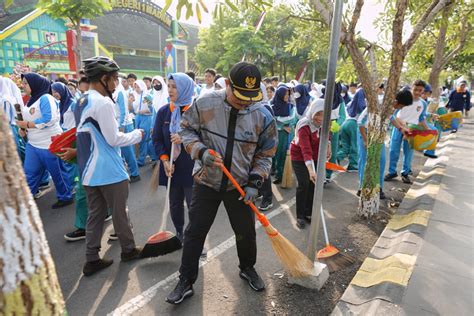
390,177
204,253
60,204
382,195
265,205
307,219
131,255
134,179
183,289
113,237
76,235
359,192
406,179
254,280
95,266
430,155
300,223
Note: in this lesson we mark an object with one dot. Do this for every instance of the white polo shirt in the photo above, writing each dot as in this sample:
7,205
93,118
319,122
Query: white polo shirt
412,114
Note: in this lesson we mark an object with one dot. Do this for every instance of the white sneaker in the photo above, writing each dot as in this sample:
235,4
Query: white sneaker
42,192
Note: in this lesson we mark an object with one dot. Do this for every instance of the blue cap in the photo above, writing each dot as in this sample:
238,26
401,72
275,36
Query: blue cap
428,88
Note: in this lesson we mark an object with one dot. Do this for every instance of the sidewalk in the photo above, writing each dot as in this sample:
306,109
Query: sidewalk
422,263
442,282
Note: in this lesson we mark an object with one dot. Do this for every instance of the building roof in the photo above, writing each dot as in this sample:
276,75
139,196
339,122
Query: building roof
15,12
137,62
131,31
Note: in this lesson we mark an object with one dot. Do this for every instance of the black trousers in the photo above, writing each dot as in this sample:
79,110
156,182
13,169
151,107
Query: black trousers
204,205
304,191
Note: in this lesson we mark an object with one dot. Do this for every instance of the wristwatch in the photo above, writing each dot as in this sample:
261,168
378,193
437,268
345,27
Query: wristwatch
255,181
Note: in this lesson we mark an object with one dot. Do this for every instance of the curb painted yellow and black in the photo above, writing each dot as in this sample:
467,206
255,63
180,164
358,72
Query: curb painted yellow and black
379,285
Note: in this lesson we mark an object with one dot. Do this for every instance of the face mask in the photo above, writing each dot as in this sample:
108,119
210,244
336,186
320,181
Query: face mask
343,94
157,87
297,95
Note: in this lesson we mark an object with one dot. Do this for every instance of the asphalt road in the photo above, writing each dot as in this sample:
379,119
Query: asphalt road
140,287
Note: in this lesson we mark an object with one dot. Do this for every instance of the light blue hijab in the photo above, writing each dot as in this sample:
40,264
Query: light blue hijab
185,87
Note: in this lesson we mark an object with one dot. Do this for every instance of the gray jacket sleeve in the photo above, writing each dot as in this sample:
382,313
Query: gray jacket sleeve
191,131
266,148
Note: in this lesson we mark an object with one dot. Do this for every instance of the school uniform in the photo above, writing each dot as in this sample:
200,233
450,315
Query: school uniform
44,112
144,122
349,130
124,120
411,114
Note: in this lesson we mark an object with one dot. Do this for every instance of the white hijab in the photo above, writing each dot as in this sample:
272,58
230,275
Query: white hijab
10,91
160,98
139,98
307,120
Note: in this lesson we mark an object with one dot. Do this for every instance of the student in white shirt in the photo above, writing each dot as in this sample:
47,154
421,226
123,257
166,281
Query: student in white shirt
209,76
41,119
414,114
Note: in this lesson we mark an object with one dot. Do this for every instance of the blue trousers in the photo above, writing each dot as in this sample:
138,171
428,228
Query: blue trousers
36,161
128,153
396,143
177,196
363,161
143,122
432,152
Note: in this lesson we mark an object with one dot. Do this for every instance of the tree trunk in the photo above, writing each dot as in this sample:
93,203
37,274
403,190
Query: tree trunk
78,49
370,196
437,66
28,281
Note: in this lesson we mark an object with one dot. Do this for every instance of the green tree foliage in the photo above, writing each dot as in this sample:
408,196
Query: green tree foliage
231,36
241,41
456,49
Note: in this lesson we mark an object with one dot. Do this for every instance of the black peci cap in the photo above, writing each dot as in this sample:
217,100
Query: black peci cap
245,82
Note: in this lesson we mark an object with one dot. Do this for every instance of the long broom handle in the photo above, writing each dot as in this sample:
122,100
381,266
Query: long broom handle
262,218
167,200
322,214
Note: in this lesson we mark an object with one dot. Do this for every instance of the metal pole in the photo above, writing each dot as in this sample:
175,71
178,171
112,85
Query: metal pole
324,137
160,56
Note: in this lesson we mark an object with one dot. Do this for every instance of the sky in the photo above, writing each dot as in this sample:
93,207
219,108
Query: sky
370,11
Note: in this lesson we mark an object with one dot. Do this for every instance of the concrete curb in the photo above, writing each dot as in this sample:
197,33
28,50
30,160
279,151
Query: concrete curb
381,282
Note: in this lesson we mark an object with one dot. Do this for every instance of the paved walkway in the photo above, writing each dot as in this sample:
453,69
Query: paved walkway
442,282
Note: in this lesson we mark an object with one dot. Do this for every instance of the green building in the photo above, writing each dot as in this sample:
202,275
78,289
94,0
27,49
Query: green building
136,41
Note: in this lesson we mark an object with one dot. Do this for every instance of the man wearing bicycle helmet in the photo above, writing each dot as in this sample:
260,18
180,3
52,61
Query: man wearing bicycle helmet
103,173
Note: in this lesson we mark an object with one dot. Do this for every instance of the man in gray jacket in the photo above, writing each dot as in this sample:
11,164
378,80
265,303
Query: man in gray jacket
242,131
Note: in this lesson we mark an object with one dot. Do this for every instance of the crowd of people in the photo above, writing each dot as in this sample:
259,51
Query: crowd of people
254,124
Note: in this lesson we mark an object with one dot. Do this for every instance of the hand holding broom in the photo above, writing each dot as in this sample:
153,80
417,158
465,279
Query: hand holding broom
293,260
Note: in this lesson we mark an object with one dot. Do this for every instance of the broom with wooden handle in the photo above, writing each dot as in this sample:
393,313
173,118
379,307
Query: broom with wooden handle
163,242
293,260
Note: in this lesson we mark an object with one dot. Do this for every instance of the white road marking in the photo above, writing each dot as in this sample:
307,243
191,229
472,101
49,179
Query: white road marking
146,296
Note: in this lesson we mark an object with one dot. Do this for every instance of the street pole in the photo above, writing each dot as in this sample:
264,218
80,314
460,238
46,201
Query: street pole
161,54
324,136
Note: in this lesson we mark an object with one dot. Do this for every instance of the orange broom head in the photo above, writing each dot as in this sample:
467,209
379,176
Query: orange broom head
334,167
160,237
327,252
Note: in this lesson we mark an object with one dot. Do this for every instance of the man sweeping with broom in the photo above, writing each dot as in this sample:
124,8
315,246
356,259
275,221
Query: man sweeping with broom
242,131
